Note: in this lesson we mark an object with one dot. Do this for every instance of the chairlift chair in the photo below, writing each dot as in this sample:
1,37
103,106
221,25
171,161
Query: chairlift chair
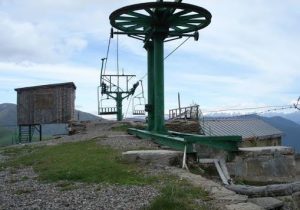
105,109
138,102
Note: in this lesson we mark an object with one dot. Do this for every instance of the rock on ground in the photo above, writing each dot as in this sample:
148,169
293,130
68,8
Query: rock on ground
156,157
267,202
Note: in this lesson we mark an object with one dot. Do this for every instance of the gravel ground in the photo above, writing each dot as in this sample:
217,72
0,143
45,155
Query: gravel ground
125,142
21,190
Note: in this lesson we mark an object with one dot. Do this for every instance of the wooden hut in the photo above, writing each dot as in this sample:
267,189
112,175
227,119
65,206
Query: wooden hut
45,104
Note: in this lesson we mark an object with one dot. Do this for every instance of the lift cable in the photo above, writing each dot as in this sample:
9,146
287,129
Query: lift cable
249,108
177,47
107,52
271,109
254,113
142,78
118,81
118,54
130,100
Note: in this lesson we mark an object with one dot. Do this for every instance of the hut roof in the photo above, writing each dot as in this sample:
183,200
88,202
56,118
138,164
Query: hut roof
67,84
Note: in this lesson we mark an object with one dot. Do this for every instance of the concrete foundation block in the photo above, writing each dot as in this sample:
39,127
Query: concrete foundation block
264,164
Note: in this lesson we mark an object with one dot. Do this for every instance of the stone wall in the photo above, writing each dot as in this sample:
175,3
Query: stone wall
264,164
261,142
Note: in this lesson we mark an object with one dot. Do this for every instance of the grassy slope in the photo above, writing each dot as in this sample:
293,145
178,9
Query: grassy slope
5,137
93,163
84,161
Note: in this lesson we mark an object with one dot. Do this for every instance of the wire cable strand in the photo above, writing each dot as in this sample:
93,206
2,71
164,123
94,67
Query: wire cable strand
249,108
177,47
107,53
142,78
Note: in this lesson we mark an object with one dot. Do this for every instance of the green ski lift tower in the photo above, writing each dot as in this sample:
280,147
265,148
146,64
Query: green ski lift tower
155,23
111,90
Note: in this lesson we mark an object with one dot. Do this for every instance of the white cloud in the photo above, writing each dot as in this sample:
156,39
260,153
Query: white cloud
242,34
76,43
25,41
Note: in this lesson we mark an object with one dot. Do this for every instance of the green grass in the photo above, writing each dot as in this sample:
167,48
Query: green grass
179,195
121,127
5,136
81,161
93,163
9,137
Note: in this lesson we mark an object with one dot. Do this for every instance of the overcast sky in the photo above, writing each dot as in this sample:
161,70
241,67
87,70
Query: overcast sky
248,56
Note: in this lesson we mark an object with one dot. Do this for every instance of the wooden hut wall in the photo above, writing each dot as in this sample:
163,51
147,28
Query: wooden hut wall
46,105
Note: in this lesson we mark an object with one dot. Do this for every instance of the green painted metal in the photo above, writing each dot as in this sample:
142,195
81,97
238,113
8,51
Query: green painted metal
162,139
178,140
159,120
155,23
114,92
150,105
119,100
143,18
228,143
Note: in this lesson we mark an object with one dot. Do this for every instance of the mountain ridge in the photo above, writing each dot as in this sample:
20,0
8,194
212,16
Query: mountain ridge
8,121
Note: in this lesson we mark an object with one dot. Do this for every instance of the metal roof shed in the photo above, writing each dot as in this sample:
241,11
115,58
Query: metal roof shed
248,128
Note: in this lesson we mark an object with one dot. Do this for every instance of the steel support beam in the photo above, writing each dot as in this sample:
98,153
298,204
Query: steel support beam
151,98
159,114
119,100
179,140
170,141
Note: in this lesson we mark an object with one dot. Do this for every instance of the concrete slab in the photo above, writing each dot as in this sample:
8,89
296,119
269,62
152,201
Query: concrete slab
267,202
271,149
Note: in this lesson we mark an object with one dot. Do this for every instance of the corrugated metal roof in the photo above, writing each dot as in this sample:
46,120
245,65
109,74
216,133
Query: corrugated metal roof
247,128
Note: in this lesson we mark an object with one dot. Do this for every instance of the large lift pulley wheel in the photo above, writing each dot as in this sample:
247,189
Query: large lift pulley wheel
172,18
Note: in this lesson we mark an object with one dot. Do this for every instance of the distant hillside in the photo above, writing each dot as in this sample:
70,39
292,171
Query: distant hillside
294,116
290,129
5,136
8,114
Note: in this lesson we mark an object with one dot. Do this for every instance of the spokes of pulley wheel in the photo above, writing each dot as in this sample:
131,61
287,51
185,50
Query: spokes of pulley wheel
171,18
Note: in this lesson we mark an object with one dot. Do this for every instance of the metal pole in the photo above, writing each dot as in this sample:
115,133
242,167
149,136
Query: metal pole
29,133
151,99
159,118
179,104
119,106
41,132
20,134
